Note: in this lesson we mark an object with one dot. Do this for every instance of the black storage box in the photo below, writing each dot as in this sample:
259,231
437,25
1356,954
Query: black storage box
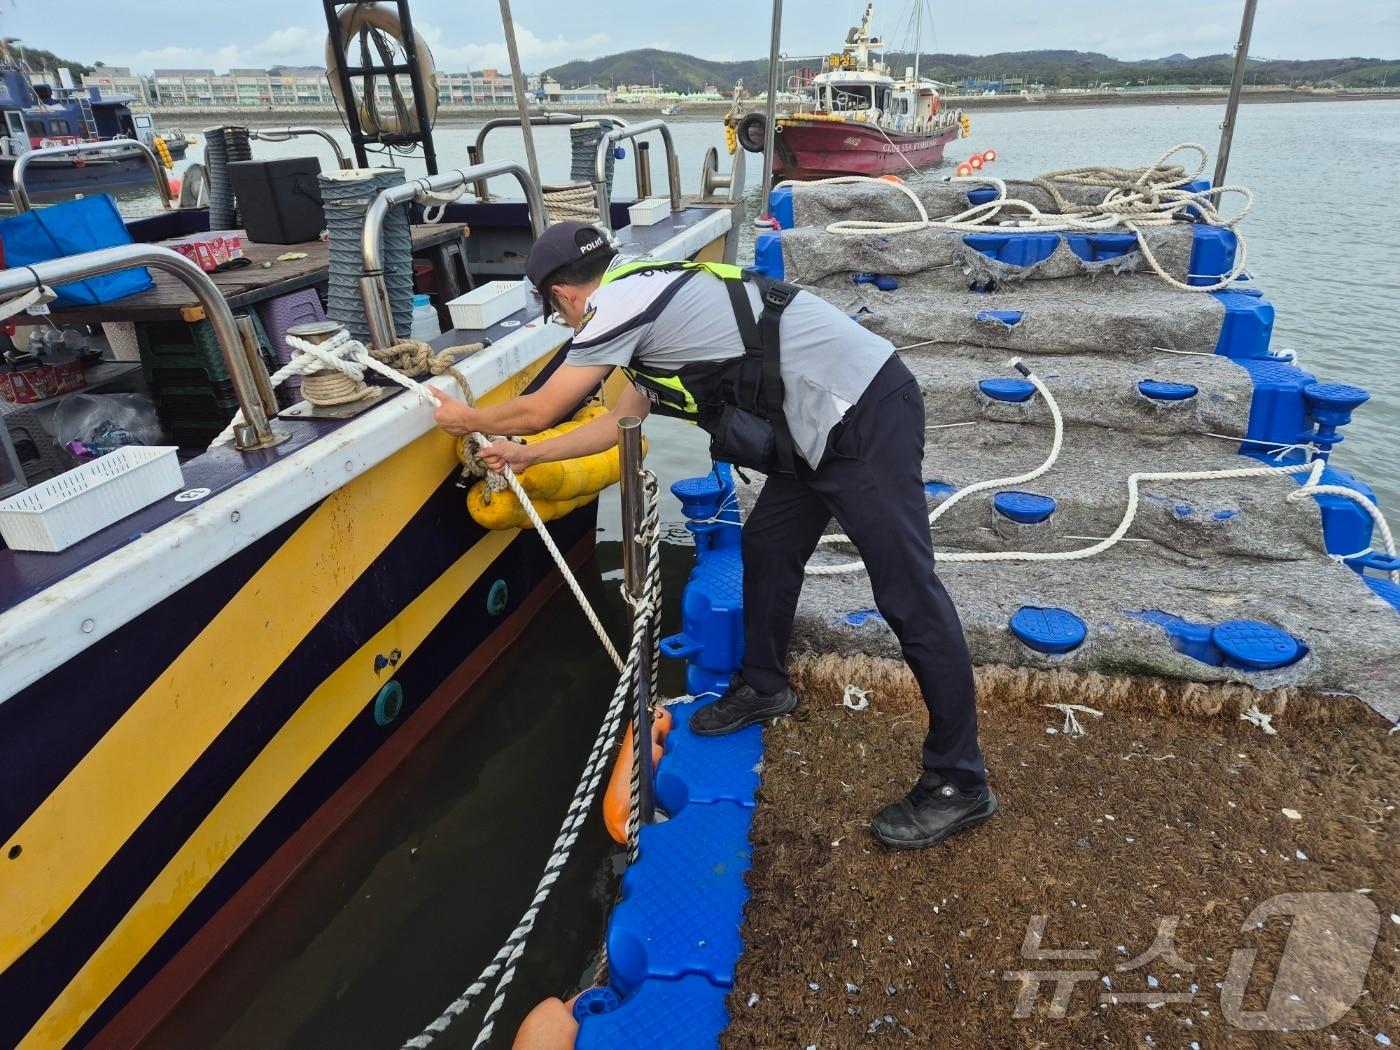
279,201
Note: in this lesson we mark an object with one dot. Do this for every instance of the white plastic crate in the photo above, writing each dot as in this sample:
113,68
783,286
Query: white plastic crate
486,304
55,514
650,211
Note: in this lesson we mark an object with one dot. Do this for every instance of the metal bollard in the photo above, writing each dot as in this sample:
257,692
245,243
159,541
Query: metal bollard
634,567
641,151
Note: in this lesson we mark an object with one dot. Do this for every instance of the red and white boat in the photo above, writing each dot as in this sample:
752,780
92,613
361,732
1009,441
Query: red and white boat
861,120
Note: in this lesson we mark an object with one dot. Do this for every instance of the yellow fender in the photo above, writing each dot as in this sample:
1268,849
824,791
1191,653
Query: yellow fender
505,512
555,488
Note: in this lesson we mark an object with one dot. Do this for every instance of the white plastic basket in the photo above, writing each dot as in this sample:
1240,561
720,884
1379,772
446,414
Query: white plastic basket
486,304
55,514
650,211
121,337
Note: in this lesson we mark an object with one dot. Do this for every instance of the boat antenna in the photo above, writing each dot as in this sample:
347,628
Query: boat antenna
522,104
770,125
1227,127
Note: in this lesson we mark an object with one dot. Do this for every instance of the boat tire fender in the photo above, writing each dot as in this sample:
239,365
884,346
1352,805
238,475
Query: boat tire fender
751,132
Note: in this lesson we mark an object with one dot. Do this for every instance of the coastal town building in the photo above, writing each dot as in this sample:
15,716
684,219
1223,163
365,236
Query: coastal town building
112,81
284,86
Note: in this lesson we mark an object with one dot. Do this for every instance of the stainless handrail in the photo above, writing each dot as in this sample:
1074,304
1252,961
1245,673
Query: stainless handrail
632,131
373,290
476,152
256,432
290,132
20,196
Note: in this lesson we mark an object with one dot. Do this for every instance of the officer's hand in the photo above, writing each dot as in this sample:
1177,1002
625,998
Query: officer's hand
452,414
507,453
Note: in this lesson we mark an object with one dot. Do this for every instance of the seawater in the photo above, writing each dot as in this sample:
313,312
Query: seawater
405,905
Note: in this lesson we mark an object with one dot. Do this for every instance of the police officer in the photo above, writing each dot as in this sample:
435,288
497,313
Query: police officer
787,384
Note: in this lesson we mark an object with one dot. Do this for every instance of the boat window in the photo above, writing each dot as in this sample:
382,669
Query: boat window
59,127
36,128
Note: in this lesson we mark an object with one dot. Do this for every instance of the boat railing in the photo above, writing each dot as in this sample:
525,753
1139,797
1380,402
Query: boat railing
19,195
373,290
476,153
237,346
290,132
633,131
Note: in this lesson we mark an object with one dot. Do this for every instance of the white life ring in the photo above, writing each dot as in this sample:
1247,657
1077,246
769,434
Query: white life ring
373,16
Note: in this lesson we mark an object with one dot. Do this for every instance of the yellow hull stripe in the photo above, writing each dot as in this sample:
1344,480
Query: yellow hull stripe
319,721
114,788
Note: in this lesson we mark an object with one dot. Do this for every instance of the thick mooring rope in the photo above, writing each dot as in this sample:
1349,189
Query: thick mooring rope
1137,199
645,610
571,203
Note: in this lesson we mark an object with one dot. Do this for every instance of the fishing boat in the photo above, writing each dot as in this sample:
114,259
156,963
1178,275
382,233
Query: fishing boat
38,115
194,696
862,120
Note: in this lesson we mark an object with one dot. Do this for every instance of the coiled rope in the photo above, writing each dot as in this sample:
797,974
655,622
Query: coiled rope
1311,487
1137,199
578,203
646,610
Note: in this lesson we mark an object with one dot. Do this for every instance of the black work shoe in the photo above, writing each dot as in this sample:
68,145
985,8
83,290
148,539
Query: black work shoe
933,810
741,706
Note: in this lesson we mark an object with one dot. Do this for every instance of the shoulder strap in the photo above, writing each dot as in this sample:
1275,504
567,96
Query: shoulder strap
776,297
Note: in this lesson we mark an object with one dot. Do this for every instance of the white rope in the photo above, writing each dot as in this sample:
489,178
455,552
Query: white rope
981,486
505,960
347,356
1137,199
1311,487
577,203
1072,727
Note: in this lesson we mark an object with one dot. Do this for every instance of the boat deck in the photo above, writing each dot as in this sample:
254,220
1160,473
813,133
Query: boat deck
316,459
243,286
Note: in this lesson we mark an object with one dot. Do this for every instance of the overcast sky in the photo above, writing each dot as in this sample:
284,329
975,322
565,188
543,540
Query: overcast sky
467,34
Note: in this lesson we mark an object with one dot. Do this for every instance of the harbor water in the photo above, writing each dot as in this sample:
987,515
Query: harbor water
405,905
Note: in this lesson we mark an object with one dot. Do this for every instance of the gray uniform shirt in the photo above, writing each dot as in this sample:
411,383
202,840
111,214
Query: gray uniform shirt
664,319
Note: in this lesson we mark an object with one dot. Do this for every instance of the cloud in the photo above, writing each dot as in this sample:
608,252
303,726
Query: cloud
294,45
536,53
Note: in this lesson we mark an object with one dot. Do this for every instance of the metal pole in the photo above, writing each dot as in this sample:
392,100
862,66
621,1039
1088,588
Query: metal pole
770,126
641,153
256,433
522,106
1227,129
634,570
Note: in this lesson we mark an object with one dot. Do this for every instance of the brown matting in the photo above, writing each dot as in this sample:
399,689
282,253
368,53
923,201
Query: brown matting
1148,816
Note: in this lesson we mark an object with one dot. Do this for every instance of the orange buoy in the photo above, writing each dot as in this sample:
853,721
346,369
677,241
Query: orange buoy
549,1026
975,161
964,168
890,178
617,800
989,155
174,187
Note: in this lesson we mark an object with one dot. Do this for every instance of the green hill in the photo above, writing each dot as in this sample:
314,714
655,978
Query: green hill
685,73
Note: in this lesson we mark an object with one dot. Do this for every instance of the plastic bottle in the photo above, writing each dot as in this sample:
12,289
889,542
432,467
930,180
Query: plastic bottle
425,319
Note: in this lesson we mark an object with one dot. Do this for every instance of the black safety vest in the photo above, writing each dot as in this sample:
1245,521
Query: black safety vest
734,397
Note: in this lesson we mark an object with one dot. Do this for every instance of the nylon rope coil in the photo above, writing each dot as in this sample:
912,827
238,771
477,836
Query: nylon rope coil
1137,199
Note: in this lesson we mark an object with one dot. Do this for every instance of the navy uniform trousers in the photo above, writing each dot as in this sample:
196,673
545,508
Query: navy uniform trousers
871,481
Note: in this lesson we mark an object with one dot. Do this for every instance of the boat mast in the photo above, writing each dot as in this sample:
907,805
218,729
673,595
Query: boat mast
1227,127
771,123
522,104
918,33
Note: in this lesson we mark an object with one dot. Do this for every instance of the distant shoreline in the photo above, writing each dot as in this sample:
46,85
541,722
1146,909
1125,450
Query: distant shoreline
196,118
